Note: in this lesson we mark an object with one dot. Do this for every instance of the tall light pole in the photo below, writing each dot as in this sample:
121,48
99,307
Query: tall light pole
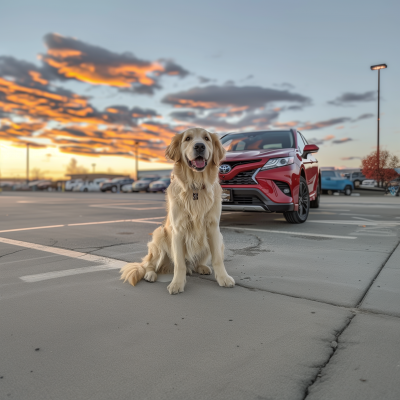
27,163
378,67
137,160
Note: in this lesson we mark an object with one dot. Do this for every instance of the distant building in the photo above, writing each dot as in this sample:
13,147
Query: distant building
90,176
158,172
142,173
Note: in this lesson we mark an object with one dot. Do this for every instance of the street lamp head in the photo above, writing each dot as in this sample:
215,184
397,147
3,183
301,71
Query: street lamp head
379,66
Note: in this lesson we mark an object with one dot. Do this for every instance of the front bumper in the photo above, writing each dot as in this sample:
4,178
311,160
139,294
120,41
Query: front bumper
253,199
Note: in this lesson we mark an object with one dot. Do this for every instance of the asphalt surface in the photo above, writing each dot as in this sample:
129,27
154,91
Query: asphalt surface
315,312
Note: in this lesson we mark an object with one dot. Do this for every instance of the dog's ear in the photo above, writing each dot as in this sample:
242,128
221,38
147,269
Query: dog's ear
218,150
173,151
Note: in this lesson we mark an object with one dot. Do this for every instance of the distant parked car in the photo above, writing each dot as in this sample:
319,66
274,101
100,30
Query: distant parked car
69,185
356,178
90,186
331,181
144,183
160,185
368,184
115,184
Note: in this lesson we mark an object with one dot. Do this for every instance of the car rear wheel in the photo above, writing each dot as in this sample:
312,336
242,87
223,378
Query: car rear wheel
114,189
315,203
357,184
348,190
301,215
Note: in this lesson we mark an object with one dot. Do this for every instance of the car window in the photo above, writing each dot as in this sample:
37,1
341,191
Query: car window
304,139
328,174
300,143
258,140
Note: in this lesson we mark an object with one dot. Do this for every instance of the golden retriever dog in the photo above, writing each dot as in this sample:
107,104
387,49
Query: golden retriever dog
190,235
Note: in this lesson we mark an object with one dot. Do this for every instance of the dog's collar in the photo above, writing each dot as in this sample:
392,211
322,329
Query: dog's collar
194,188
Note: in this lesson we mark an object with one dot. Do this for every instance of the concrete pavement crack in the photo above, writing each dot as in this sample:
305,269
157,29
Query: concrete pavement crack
334,349
376,275
354,311
17,251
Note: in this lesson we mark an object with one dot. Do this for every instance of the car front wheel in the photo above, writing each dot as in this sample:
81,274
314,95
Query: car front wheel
348,190
301,215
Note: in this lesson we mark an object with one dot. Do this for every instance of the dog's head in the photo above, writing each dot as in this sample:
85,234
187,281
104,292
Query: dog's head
197,148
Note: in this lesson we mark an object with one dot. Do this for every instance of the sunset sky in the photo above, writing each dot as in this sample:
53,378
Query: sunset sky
86,79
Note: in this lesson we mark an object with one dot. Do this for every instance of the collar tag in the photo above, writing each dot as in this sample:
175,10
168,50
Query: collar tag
195,196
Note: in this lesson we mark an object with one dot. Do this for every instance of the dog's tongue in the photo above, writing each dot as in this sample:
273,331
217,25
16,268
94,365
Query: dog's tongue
199,162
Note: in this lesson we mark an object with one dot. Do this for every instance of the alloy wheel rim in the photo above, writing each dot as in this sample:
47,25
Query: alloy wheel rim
303,201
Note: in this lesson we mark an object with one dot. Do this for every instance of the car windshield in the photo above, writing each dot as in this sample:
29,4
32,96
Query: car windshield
328,174
117,179
267,140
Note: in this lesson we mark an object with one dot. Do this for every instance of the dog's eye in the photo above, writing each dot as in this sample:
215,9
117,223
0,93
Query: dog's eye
188,138
206,138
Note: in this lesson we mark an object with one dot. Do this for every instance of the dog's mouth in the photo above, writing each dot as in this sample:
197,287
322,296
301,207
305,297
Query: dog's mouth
198,164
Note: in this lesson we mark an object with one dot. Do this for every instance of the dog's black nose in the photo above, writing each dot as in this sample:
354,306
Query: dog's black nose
199,147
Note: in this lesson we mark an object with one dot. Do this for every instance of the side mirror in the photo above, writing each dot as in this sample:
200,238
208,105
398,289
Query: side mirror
309,148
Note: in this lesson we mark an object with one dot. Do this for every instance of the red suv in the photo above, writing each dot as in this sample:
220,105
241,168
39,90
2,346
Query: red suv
270,171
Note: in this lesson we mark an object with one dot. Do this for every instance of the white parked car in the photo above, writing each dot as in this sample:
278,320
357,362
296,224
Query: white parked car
368,184
90,186
127,188
69,185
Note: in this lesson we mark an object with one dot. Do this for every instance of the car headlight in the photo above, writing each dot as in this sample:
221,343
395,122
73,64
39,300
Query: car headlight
277,162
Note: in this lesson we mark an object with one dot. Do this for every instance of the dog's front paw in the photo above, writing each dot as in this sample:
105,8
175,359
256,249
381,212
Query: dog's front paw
150,276
225,281
176,287
203,270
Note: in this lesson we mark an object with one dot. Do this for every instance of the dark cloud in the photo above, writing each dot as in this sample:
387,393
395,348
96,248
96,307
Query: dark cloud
323,124
364,116
349,98
351,158
69,58
343,140
232,97
173,69
284,85
219,121
203,79
183,115
321,141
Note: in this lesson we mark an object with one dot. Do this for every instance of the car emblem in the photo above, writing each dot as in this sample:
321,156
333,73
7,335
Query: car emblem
225,168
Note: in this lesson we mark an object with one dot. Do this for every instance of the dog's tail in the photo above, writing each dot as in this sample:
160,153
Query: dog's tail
133,272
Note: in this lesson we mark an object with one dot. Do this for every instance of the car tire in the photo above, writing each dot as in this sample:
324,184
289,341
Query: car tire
114,189
330,192
85,190
348,190
357,184
300,216
315,203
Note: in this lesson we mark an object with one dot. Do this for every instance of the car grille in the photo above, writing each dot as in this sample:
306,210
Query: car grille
242,178
283,186
233,164
245,199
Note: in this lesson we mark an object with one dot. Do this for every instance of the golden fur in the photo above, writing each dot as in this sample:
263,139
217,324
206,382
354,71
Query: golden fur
190,235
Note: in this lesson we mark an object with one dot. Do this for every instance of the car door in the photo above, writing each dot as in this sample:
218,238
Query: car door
308,164
326,180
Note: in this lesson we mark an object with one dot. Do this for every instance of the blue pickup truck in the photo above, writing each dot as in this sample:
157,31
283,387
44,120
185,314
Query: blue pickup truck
331,181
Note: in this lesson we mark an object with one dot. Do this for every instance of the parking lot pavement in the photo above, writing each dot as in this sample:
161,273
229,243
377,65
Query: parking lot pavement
310,302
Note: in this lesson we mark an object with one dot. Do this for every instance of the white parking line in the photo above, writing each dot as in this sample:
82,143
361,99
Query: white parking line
106,263
363,222
290,233
141,220
365,215
28,229
68,272
363,219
